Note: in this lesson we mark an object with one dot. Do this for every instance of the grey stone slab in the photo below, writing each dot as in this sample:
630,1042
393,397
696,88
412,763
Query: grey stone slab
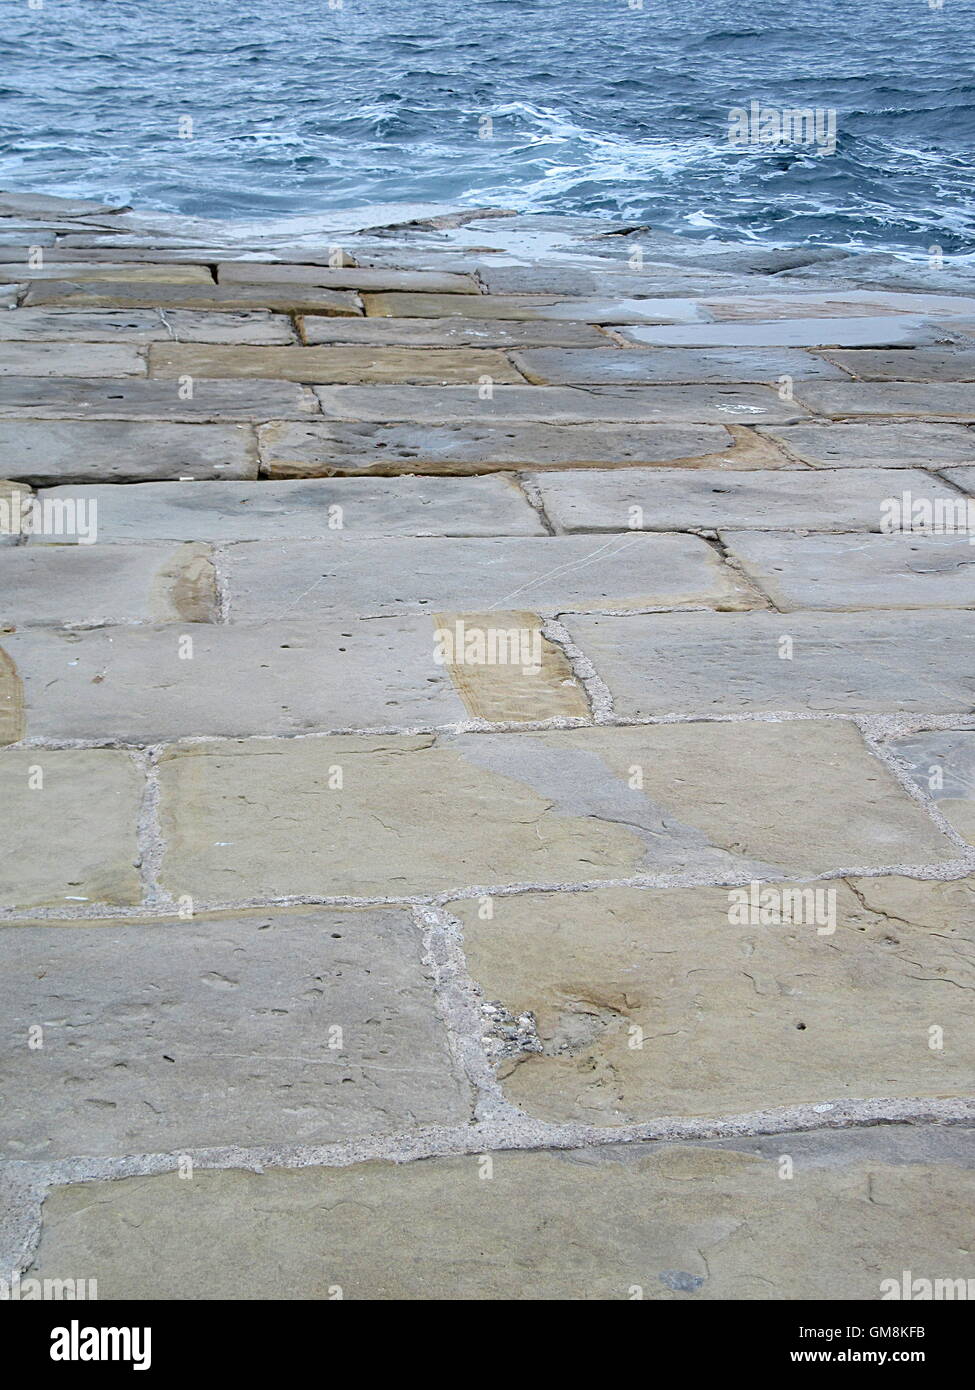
830,303
65,398
197,1034
450,332
654,280
269,579
664,1222
82,584
858,571
436,367
880,331
942,763
909,364
945,400
354,278
9,295
532,306
71,359
570,366
49,452
137,274
735,663
131,294
719,405
963,478
145,326
299,508
321,448
880,444
667,499
15,244
46,204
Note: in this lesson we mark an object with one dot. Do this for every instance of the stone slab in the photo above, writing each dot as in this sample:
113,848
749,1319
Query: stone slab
836,304
884,330
963,478
184,1035
65,398
937,400
340,364
81,272
547,574
719,405
130,294
531,306
651,1221
914,364
46,452
881,444
90,584
70,838
355,278
451,332
293,509
145,326
749,663
550,808
858,570
942,763
47,204
732,1016
71,359
575,366
9,295
667,499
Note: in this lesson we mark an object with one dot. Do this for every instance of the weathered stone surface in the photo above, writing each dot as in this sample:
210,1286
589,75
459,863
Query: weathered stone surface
558,366
46,452
963,478
710,663
138,275
660,1221
451,332
8,296
835,304
718,405
905,444
131,294
71,840
942,762
858,570
325,447
406,574
410,281
655,279
550,807
734,1015
89,584
503,669
65,398
13,723
300,509
916,364
944,400
882,331
46,204
670,499
206,1019
531,306
71,359
145,326
344,364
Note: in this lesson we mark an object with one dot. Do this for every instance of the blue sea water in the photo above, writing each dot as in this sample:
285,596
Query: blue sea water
595,106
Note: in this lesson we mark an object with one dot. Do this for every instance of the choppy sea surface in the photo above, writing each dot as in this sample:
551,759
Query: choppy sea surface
280,108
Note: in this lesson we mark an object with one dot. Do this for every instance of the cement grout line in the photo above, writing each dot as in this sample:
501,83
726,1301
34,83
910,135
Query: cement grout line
597,691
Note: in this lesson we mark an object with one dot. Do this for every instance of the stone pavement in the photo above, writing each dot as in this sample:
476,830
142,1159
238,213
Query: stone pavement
489,768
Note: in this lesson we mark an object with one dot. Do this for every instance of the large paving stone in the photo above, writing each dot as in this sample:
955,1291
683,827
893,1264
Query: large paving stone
141,685
322,364
300,509
89,584
47,204
145,326
70,827
660,1221
65,398
717,405
532,306
667,499
71,359
400,574
918,364
321,448
410,281
833,1003
268,818
901,444
942,762
655,279
711,663
132,294
558,366
835,304
885,330
858,570
963,478
82,273
195,1034
45,452
450,332
946,400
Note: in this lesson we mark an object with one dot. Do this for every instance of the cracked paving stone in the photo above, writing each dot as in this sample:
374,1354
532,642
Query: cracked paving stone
942,763
452,332
145,326
557,366
265,1028
50,452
